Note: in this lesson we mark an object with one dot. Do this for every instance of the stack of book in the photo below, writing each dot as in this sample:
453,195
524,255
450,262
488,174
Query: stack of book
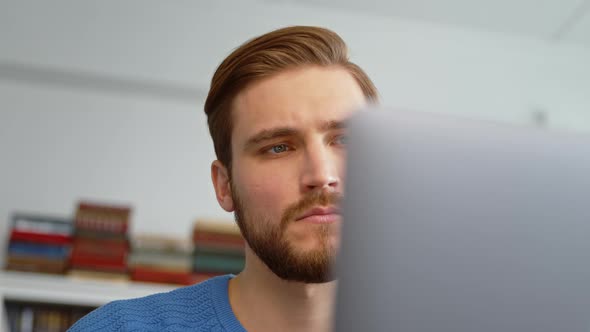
39,244
218,249
157,258
100,243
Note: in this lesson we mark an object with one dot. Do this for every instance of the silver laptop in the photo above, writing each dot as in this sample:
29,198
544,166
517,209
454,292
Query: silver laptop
453,225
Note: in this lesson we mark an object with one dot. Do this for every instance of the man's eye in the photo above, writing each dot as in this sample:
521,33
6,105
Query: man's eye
279,148
341,140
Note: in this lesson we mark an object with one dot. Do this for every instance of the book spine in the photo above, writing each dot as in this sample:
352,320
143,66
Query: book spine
88,224
217,238
41,224
170,262
208,263
160,267
219,250
223,227
95,235
41,238
155,275
102,218
105,250
58,268
42,250
98,263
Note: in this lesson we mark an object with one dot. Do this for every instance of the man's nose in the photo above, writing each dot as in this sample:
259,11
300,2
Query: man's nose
321,169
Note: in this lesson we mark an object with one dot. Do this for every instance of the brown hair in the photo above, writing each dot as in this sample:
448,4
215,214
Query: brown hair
264,56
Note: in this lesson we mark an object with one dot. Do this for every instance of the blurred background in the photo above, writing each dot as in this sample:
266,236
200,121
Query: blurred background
103,100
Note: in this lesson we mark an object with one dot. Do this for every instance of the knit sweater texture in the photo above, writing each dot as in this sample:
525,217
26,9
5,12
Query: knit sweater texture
201,307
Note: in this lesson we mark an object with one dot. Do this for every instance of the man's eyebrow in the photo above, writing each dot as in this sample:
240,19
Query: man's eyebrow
269,134
333,125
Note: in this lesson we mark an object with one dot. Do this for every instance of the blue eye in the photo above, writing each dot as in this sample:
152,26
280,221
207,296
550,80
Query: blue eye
280,148
341,140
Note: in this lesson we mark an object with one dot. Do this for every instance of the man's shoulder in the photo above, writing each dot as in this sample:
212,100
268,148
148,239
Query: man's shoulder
187,308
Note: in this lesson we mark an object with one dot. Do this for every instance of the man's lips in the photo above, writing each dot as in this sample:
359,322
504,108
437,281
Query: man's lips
320,215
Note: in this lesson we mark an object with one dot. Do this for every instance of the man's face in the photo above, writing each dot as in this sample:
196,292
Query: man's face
288,156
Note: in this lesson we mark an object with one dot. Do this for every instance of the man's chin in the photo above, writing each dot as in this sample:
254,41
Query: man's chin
313,250
308,242
309,279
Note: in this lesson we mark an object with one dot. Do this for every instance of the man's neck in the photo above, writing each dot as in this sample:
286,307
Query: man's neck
264,302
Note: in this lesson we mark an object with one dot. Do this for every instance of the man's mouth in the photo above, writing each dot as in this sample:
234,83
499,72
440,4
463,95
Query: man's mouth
320,215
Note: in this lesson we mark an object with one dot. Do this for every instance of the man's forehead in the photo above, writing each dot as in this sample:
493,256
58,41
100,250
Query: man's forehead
294,99
300,120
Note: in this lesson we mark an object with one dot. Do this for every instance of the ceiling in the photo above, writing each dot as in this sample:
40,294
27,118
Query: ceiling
561,20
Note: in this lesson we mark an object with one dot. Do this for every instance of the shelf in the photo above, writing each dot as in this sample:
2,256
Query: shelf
34,287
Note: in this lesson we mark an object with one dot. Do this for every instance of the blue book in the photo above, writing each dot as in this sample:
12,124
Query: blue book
34,249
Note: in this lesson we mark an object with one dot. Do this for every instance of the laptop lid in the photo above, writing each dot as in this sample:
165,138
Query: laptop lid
458,225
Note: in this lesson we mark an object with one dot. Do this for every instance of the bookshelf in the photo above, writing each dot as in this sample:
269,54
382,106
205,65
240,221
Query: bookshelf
68,257
41,288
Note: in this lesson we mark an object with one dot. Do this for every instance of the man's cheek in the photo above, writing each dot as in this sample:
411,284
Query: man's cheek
270,198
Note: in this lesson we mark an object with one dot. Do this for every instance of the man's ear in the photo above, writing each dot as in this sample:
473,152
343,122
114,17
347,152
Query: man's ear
220,177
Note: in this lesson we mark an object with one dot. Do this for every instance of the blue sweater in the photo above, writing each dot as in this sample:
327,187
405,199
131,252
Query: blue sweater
200,307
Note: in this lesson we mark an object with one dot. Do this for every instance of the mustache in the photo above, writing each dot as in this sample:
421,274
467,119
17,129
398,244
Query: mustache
310,200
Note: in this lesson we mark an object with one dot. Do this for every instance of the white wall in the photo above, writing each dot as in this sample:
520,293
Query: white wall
415,65
58,144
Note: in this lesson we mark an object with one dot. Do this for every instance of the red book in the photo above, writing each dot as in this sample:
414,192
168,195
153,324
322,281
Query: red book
44,238
98,262
102,218
199,237
89,224
162,276
100,247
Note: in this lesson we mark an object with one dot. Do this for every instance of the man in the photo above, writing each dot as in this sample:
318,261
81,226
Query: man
276,111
